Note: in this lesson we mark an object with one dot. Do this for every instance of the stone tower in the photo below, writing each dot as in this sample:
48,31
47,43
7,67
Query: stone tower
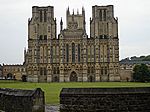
75,21
104,29
41,30
71,44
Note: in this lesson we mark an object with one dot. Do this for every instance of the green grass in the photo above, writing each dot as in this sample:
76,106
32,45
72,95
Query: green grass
52,90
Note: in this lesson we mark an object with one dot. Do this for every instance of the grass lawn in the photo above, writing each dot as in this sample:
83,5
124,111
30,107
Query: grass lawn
52,90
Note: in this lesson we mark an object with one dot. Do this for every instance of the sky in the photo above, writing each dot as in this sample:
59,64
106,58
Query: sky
133,17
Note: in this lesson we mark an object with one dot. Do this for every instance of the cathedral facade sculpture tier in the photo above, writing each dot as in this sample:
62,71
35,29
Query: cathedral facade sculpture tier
72,56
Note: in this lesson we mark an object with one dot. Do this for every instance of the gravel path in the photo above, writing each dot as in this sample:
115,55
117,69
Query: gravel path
52,108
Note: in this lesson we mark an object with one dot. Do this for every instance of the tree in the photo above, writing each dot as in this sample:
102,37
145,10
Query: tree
141,73
147,58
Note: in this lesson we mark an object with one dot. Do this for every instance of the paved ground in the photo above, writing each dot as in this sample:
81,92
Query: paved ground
52,108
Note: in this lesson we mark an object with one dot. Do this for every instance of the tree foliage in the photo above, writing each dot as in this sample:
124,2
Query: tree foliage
141,73
135,58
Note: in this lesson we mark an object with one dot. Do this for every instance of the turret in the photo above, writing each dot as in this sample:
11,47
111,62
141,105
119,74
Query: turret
75,21
77,11
83,11
61,24
34,11
68,12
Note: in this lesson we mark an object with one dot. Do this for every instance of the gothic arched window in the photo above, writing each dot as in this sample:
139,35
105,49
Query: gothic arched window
41,71
100,15
92,70
78,52
40,15
57,70
45,16
104,15
45,71
88,70
102,70
67,52
105,70
73,52
54,70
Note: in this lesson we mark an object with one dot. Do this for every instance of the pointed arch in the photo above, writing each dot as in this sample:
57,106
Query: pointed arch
91,78
55,79
73,52
10,76
73,77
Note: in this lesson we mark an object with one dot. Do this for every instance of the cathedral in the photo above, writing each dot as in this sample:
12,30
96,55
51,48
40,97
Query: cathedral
72,55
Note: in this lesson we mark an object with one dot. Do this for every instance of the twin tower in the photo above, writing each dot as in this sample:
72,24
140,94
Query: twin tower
72,56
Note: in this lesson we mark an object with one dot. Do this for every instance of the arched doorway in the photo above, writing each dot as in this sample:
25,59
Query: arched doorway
55,79
91,79
24,78
9,76
73,77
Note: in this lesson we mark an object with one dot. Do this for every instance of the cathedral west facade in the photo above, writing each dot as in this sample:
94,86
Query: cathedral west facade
72,56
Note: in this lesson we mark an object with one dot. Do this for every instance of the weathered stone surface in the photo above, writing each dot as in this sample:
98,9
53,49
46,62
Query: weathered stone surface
17,100
105,100
51,108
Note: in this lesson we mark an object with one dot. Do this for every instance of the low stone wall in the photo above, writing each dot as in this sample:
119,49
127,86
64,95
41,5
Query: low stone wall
105,100
18,100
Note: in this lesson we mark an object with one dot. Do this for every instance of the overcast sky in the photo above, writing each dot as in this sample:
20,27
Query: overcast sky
133,15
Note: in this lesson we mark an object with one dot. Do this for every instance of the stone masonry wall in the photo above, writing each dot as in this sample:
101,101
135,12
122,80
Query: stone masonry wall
17,100
105,100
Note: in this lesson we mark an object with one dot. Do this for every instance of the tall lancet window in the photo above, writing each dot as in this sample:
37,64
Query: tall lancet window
104,15
100,15
73,52
67,53
45,16
40,15
79,53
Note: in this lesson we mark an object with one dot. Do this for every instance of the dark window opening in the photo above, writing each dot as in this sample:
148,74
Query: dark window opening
48,28
104,15
105,36
102,70
45,16
40,15
73,52
67,53
101,36
41,71
100,15
45,71
45,37
41,37
78,52
92,70
57,70
88,70
91,79
54,70
105,70
73,77
55,79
